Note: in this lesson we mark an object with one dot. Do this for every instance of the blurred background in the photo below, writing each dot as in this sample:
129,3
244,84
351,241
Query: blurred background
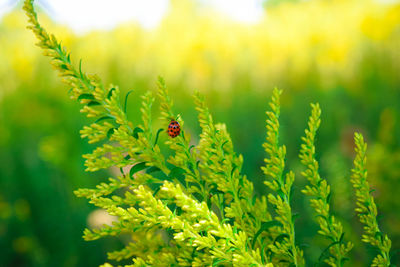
343,54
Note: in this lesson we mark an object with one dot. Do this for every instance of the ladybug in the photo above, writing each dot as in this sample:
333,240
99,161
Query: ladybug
174,129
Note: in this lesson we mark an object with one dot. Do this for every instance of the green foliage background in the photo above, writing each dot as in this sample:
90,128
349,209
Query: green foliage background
343,54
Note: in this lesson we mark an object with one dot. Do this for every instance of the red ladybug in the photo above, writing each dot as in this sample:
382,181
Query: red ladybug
174,129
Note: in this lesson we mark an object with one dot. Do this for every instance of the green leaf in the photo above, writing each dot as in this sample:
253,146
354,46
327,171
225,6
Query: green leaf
328,198
341,238
155,187
126,99
190,166
157,173
152,169
136,131
64,66
280,192
217,262
190,148
93,103
280,237
110,92
137,167
326,250
107,117
235,229
233,169
254,199
208,198
178,174
110,132
85,96
222,146
80,68
215,191
265,226
158,133
378,234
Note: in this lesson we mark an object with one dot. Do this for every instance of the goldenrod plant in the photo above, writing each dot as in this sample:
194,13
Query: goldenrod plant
284,244
320,193
366,208
195,207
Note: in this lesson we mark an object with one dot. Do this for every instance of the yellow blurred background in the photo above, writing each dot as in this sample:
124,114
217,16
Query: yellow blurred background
344,54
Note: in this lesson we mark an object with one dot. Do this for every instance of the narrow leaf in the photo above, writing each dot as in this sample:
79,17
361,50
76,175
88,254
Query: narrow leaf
264,227
137,167
126,100
104,118
158,133
85,96
152,169
110,132
93,103
136,131
80,68
110,92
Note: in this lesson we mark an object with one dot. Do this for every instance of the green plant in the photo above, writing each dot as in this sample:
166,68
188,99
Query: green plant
366,207
195,207
320,193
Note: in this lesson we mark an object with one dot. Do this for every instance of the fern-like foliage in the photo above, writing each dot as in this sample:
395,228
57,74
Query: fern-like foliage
320,193
366,207
284,247
197,197
196,207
